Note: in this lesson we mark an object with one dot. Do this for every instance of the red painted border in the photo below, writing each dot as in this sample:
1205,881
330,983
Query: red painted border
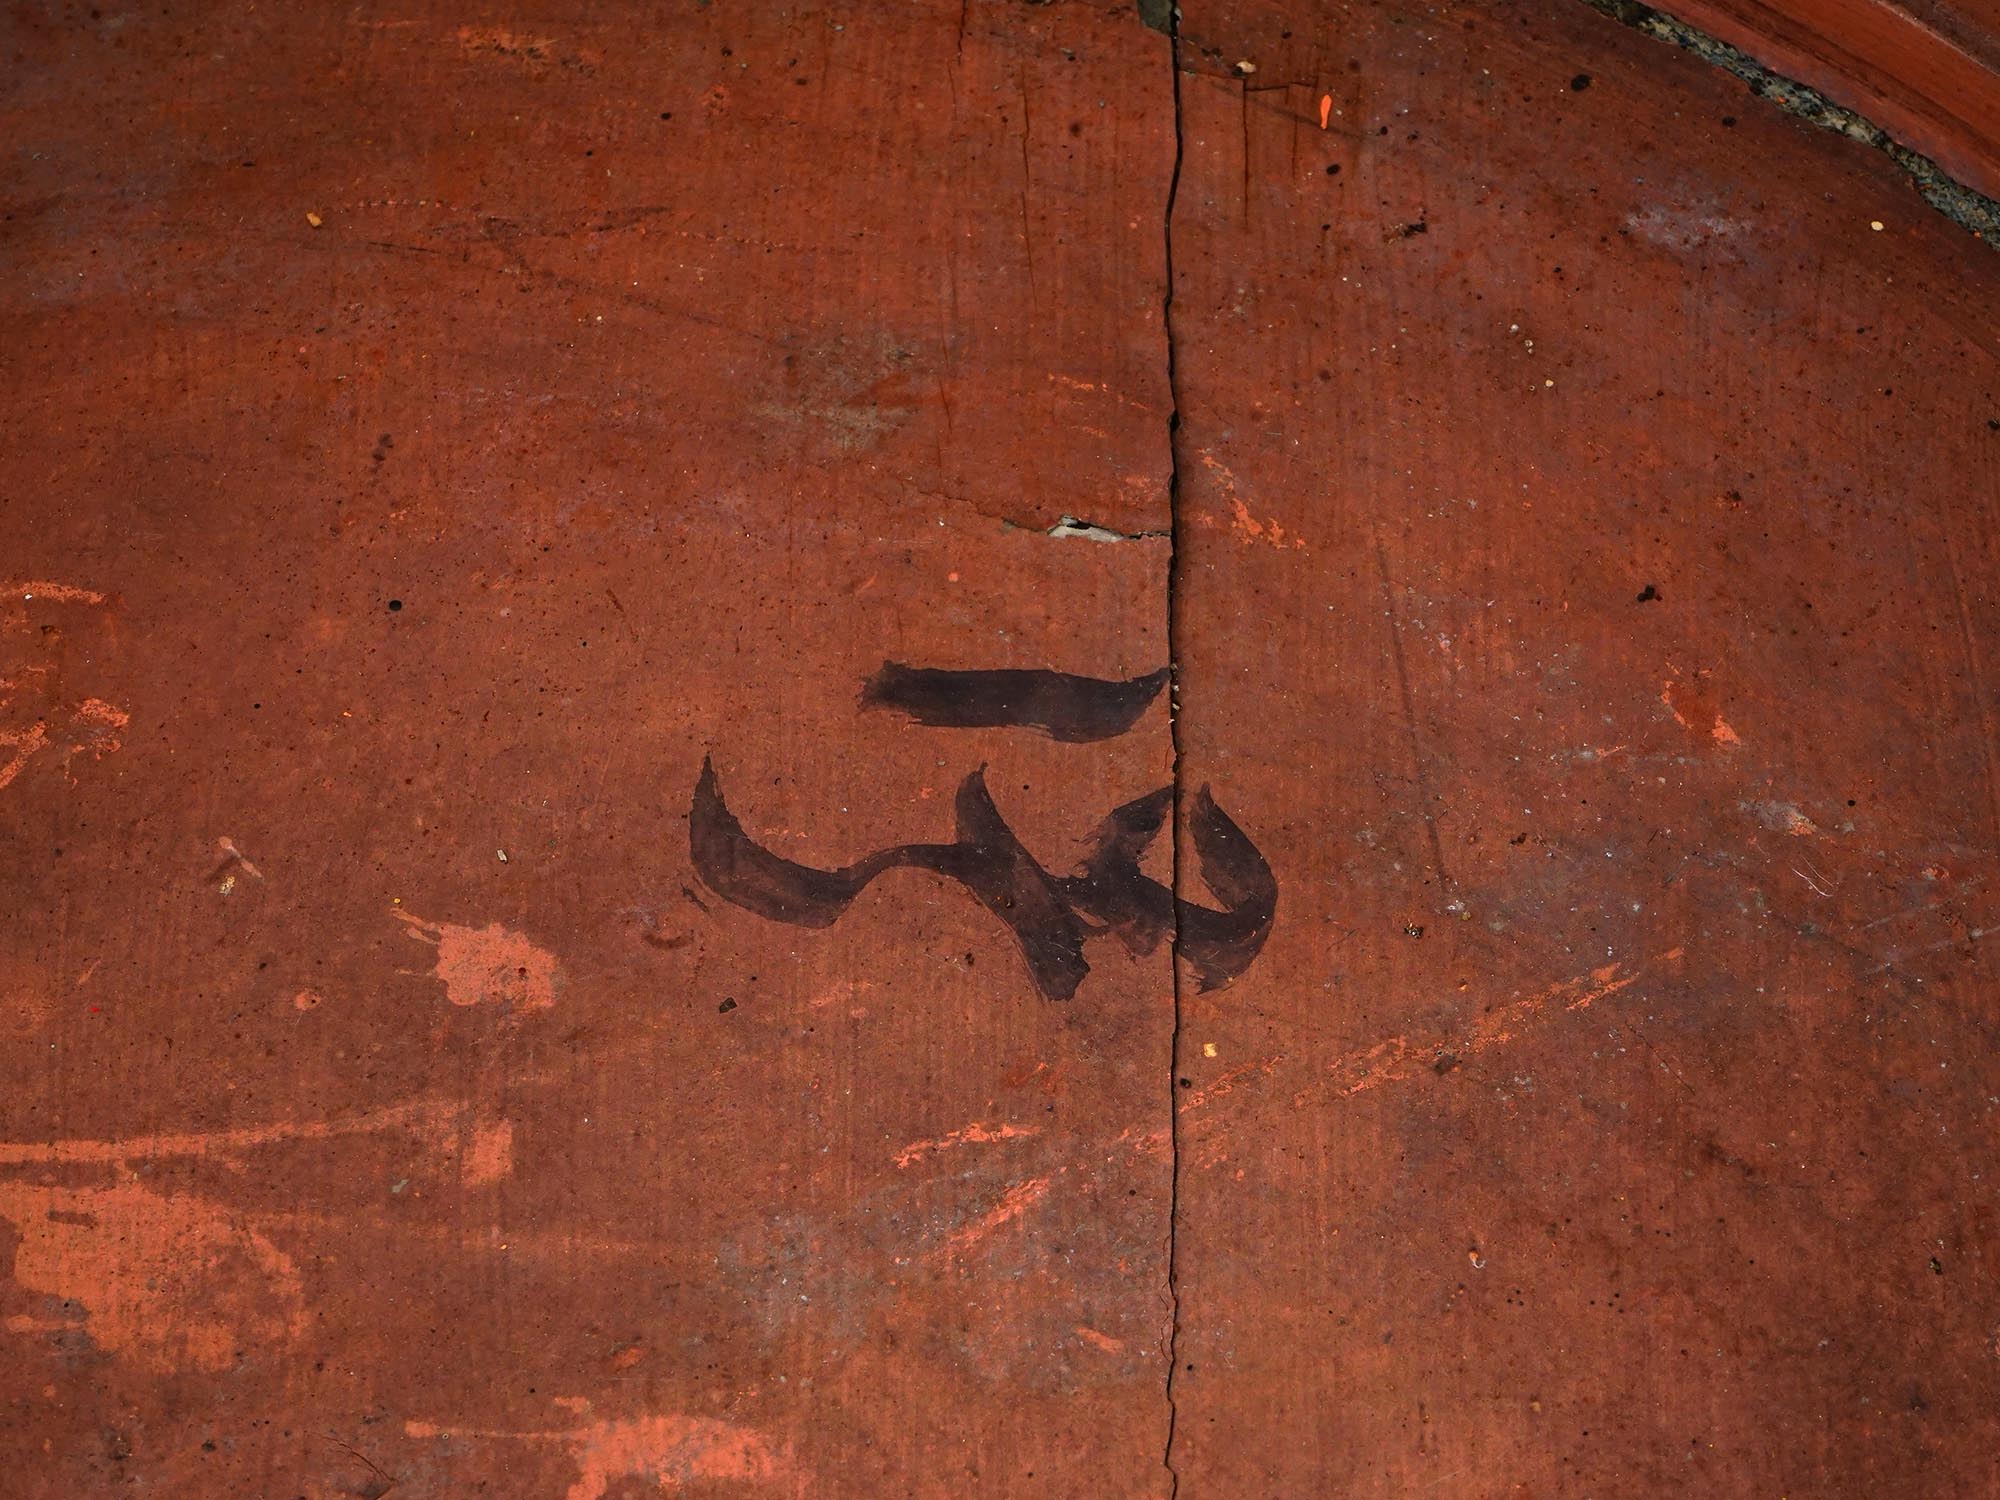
1928,75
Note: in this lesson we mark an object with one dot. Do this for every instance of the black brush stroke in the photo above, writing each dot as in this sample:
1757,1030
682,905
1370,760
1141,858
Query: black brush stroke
987,860
1059,704
1222,944
1043,912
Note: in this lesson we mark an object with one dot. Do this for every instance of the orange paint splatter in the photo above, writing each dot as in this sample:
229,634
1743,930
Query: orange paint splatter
976,1133
488,965
1694,708
436,1123
1244,524
169,1283
673,1451
489,1156
94,726
24,743
670,1451
1325,109
1247,525
90,725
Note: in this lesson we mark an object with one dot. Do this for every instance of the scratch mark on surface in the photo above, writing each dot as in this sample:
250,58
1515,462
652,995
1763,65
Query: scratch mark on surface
1970,936
1200,1130
1977,676
44,591
1420,764
1027,184
1226,1083
1781,817
559,1247
532,51
1397,1058
1016,1201
977,1133
231,862
384,1482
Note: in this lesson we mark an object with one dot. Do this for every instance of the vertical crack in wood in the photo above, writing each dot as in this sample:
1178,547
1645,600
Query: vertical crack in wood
1177,537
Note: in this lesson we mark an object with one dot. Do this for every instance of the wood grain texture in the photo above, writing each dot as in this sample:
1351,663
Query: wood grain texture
1595,516
434,437
431,434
